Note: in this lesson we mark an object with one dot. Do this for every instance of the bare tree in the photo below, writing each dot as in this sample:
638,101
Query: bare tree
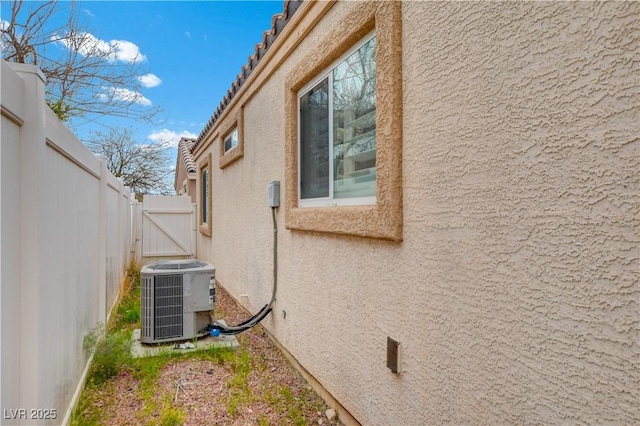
143,168
86,76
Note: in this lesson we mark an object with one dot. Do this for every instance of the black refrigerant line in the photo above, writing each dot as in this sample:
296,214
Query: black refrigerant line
254,320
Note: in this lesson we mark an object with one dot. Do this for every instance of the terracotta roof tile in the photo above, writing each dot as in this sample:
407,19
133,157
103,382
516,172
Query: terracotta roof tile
185,147
185,155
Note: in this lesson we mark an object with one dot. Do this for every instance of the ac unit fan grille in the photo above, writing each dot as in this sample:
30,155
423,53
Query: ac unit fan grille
168,313
147,306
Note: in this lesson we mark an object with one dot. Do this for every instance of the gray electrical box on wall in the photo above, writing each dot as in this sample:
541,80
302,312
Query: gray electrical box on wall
274,193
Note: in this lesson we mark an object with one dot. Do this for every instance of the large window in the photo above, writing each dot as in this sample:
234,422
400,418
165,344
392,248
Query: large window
337,131
343,125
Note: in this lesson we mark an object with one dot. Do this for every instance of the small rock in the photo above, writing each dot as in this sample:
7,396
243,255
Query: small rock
330,413
319,421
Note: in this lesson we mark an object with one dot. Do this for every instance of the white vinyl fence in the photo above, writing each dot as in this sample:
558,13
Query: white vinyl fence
66,242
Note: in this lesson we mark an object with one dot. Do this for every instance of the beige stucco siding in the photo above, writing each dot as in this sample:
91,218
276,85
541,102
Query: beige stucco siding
515,289
182,181
521,180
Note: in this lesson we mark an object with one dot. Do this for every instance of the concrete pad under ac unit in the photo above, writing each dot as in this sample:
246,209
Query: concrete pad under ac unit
140,350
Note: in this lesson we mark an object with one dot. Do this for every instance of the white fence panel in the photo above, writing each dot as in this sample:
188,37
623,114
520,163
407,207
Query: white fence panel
13,113
66,243
67,266
168,224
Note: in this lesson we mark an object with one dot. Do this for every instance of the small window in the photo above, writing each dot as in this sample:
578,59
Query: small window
205,196
231,141
337,131
231,138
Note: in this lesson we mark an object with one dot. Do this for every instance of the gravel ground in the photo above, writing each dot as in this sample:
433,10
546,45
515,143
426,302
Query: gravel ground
252,385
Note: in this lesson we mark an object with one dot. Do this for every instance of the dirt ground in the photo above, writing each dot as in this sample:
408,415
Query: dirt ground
252,385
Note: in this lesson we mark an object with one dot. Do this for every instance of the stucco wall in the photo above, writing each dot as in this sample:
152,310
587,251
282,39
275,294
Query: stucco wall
514,292
181,177
185,183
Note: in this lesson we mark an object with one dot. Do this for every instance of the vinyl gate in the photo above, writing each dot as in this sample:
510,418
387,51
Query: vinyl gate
168,227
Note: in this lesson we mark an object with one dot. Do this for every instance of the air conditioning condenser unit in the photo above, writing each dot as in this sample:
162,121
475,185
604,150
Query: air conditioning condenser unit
176,299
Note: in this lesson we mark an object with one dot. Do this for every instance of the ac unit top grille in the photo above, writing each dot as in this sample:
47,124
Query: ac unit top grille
176,265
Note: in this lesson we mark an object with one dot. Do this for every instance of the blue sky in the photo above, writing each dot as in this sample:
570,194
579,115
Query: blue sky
196,50
193,51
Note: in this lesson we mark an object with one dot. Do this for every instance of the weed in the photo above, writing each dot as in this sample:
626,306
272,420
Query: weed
91,339
171,417
240,392
219,356
90,410
127,312
242,364
262,421
294,407
147,371
232,404
110,355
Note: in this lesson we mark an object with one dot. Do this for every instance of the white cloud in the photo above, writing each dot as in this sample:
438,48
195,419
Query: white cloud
170,136
127,51
88,12
89,45
150,80
125,95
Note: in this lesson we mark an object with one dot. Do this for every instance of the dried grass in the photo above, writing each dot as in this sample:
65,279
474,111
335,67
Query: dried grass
252,385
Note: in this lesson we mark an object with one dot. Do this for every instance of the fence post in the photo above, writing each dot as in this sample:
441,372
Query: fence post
32,170
121,226
133,230
139,231
102,241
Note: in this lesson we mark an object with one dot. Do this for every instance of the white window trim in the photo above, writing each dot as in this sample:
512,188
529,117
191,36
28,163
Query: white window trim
328,73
